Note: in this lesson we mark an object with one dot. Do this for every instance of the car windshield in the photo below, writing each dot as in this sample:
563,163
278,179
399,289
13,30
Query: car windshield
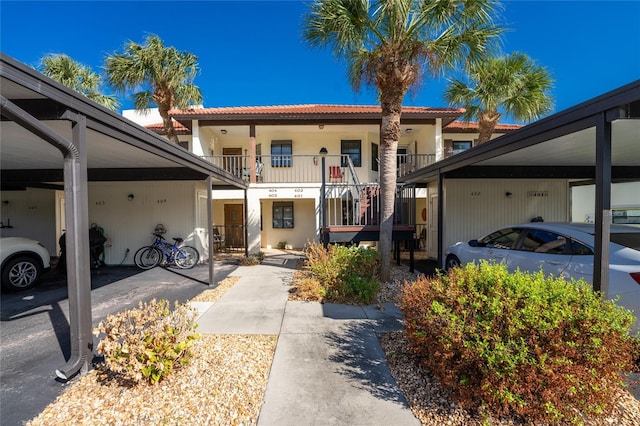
627,239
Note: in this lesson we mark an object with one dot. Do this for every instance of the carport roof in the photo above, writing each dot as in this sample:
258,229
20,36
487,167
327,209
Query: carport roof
562,145
117,149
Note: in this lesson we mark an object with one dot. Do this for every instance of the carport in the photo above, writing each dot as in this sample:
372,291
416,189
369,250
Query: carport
53,137
595,142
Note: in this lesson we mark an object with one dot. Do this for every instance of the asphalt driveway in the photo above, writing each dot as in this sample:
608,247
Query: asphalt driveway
34,332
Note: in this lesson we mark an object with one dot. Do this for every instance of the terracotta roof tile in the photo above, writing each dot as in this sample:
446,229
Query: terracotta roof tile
311,109
159,128
461,126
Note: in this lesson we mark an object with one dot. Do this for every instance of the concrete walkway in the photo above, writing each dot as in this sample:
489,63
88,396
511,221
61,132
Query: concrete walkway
329,368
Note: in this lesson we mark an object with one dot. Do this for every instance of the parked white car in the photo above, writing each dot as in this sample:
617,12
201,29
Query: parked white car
562,249
23,262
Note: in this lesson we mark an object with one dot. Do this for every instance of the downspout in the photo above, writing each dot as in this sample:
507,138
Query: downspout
246,225
210,229
78,275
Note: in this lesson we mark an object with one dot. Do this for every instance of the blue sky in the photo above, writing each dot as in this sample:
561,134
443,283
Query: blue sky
252,53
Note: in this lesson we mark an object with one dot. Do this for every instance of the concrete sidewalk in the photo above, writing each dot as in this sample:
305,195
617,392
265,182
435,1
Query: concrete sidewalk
329,368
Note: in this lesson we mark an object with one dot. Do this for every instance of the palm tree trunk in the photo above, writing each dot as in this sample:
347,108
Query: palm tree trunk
167,124
389,137
487,125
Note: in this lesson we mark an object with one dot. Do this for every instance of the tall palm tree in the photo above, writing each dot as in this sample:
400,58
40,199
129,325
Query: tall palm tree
158,75
76,76
512,83
388,44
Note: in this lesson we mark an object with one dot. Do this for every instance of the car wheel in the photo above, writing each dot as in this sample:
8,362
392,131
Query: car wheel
452,262
20,273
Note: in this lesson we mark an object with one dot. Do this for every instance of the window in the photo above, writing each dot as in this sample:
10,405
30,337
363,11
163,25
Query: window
502,239
459,146
631,215
352,148
580,249
184,144
283,214
540,241
402,155
281,152
374,157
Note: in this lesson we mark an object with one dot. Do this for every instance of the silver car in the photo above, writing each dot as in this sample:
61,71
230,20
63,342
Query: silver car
23,261
561,249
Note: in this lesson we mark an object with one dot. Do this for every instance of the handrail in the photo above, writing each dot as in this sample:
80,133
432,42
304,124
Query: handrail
305,168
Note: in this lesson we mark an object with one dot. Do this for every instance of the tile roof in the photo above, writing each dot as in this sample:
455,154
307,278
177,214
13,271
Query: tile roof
310,109
461,126
312,113
159,128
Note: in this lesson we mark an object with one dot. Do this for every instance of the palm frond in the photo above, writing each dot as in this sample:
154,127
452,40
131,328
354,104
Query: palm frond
155,73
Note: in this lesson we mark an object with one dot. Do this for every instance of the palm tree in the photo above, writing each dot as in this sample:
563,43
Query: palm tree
161,75
512,83
388,44
76,76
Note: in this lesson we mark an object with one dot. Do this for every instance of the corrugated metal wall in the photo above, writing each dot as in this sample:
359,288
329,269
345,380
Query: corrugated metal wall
474,207
128,223
30,214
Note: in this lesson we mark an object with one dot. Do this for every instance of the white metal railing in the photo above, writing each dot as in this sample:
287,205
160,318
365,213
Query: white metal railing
283,168
307,168
409,163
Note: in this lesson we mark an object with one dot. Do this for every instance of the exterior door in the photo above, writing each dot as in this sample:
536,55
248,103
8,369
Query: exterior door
234,225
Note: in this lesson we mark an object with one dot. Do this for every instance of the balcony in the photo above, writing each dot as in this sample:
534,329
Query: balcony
307,168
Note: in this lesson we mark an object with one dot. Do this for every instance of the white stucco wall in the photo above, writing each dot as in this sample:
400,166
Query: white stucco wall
626,194
31,214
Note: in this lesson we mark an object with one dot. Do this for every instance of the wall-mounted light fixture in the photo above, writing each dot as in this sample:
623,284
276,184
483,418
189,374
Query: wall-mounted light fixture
130,197
409,130
320,126
508,194
223,131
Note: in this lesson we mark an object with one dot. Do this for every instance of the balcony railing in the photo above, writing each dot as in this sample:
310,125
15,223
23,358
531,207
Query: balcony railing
409,163
306,168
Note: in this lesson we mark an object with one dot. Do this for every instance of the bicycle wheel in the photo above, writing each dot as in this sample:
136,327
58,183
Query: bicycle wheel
147,257
186,257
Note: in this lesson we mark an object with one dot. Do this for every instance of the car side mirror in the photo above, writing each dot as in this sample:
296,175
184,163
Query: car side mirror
473,243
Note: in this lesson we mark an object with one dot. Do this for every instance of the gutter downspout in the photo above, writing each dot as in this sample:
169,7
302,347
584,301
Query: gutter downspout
76,215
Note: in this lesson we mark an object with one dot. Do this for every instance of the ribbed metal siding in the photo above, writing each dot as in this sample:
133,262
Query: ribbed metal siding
474,207
129,223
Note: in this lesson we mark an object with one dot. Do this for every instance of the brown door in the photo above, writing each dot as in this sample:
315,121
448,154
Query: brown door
234,225
233,160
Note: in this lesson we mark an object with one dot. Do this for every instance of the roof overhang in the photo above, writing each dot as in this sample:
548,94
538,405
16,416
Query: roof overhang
560,146
310,115
117,149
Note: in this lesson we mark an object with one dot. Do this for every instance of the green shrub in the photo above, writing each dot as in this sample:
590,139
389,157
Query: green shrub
540,347
282,245
147,343
347,274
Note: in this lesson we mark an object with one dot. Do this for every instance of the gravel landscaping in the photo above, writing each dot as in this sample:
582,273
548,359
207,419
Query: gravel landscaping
226,381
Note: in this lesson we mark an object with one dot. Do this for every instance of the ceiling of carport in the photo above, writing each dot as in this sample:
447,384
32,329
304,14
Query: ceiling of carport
23,150
113,143
577,149
559,146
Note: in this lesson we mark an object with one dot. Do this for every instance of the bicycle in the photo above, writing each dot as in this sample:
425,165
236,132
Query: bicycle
160,251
